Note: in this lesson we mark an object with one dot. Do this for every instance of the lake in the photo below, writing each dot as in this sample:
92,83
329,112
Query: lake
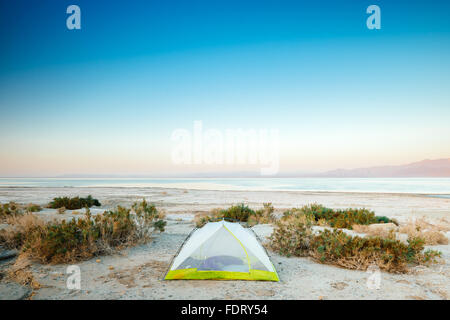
439,186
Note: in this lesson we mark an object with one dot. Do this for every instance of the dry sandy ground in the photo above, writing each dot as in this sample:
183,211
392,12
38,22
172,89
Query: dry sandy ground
137,273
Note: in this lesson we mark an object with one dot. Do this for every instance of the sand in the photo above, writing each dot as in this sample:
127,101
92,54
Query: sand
137,273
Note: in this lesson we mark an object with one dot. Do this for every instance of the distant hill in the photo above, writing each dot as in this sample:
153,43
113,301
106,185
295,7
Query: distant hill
425,168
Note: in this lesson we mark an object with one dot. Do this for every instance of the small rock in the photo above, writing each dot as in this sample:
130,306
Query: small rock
339,285
98,260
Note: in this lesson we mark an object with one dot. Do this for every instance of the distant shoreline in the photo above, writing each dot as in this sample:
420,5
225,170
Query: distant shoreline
417,186
290,191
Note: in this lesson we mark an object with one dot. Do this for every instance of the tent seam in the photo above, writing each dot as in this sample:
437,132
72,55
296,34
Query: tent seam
246,254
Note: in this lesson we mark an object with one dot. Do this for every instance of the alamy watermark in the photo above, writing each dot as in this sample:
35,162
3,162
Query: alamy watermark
74,279
374,20
374,280
227,147
74,20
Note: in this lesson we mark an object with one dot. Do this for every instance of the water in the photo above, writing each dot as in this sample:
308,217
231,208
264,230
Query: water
437,186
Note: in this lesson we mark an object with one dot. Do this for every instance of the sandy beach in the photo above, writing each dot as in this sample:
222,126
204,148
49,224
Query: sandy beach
137,273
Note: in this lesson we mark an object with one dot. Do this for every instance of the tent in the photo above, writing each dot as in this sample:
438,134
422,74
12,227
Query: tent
222,250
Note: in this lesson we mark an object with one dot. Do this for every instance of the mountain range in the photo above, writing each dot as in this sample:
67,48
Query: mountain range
424,168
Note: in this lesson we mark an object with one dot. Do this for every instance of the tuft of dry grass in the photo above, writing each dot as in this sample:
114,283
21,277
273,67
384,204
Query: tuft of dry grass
20,272
262,216
13,209
31,207
292,236
19,227
201,219
431,233
384,230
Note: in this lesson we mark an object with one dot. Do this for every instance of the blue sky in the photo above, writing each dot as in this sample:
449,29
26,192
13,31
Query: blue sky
106,98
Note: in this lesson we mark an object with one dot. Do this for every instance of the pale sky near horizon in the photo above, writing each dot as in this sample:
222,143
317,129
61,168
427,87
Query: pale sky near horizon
106,99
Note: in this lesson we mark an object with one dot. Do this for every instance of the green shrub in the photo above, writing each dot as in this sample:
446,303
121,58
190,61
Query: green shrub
430,256
337,247
294,236
340,218
88,236
146,215
33,208
73,203
13,209
239,212
262,216
10,209
384,219
291,236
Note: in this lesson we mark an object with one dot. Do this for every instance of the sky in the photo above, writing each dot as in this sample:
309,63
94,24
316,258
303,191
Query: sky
107,99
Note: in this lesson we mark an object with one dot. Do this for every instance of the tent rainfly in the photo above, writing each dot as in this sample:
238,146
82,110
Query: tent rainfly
222,251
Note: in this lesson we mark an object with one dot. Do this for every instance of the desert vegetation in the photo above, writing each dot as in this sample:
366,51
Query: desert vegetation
239,212
430,233
295,233
9,210
73,203
294,236
380,245
341,218
12,209
82,237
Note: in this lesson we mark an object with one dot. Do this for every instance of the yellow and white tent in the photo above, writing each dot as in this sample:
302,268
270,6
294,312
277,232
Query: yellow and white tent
222,250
